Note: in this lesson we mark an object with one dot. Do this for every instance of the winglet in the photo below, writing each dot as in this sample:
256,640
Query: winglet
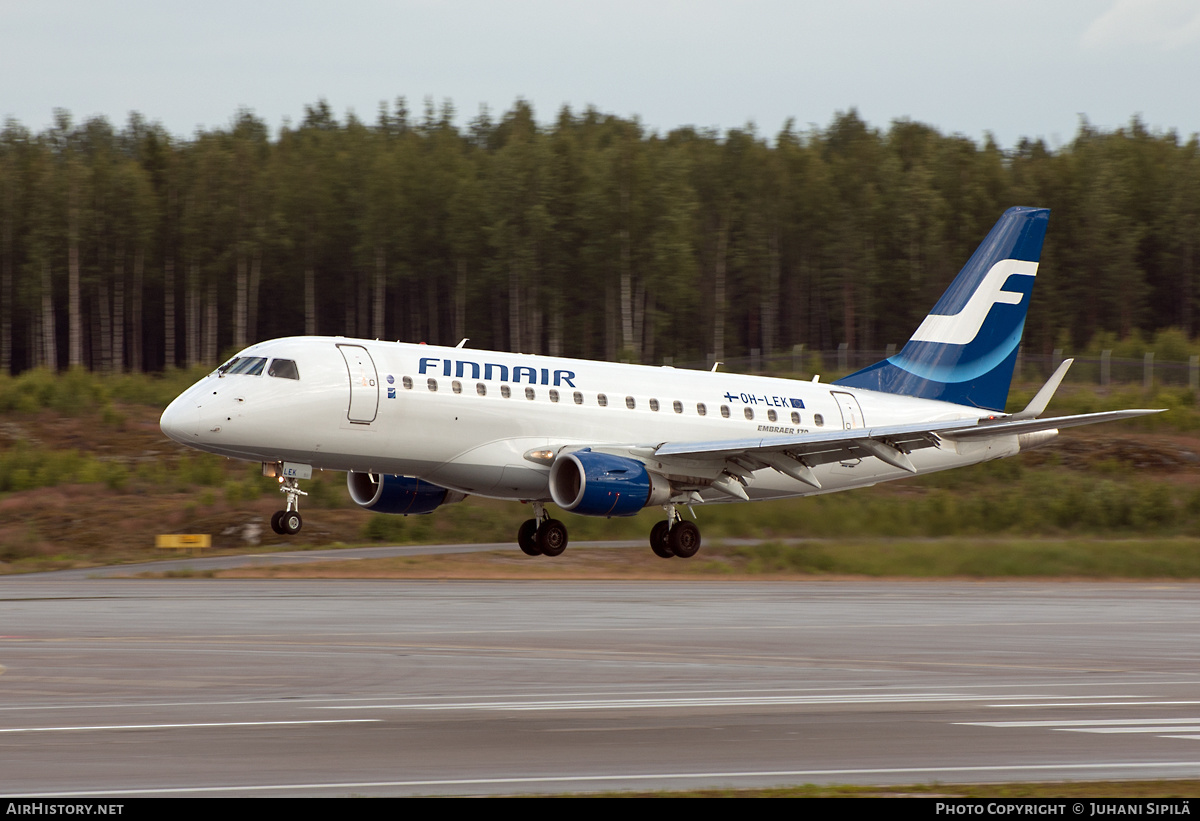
1037,405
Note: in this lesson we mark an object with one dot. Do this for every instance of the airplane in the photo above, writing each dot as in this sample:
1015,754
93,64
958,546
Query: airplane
416,427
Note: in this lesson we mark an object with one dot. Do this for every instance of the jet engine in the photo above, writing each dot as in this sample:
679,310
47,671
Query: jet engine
405,495
598,484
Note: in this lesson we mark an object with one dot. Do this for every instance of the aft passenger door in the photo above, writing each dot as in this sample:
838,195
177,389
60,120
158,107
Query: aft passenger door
364,384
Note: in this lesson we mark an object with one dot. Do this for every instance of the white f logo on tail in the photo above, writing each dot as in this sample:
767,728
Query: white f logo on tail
962,328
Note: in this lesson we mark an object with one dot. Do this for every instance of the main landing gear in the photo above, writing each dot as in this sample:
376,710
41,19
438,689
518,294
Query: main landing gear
674,537
541,535
287,522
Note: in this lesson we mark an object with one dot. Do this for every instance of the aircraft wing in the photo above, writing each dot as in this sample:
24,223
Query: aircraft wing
797,455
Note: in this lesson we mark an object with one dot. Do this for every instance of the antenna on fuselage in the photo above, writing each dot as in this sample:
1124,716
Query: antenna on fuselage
463,343
715,366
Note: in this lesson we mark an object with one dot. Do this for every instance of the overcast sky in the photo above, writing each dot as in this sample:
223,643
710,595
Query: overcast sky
1019,68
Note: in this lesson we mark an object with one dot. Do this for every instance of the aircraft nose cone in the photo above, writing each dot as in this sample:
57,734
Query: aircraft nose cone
181,421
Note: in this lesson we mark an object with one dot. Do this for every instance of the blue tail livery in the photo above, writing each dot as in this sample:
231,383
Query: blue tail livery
965,350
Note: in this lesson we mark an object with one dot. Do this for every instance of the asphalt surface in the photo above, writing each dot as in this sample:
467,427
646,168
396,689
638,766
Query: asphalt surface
198,562
333,688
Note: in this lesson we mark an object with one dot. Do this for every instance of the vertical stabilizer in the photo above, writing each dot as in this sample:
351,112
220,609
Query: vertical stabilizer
965,350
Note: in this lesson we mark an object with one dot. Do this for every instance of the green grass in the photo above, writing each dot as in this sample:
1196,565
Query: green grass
974,558
79,392
110,443
1145,790
997,499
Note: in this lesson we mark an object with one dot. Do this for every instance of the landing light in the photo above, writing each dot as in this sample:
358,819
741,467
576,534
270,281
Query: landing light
544,457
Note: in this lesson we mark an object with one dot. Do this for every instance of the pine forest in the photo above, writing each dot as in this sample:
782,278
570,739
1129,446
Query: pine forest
131,249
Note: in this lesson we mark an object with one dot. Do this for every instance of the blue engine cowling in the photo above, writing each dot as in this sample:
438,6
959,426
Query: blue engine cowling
598,484
405,495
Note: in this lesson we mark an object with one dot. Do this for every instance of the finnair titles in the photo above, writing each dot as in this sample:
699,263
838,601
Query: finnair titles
416,427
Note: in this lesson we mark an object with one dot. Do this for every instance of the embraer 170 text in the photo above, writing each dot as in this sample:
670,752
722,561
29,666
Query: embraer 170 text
418,426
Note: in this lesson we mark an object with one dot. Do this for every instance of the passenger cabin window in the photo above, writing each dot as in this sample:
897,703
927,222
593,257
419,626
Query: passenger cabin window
407,382
505,391
725,411
701,409
795,417
481,389
553,395
602,400
818,420
578,398
629,403
456,386
246,365
284,369
771,417
529,393
654,404
749,413
433,386
677,406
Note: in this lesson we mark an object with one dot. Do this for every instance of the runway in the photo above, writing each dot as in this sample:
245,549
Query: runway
183,688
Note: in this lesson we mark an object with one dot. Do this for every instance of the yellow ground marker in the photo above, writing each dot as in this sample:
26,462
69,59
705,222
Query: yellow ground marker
197,541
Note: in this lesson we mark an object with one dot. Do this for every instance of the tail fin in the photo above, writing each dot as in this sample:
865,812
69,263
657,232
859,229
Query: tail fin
965,350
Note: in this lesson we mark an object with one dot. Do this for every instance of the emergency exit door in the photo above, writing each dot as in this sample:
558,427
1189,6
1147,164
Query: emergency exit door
852,415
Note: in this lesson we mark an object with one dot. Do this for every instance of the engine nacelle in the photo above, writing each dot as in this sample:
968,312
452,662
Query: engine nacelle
405,495
598,484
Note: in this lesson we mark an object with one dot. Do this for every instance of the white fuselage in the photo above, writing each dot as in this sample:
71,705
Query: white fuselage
467,419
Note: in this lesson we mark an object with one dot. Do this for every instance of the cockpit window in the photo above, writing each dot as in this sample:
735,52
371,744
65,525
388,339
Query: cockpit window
248,365
284,369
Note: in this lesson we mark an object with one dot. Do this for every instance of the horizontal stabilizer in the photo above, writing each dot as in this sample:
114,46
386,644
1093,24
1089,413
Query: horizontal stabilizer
1012,425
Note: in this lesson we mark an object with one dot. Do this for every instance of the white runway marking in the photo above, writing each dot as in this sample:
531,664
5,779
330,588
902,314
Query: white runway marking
1162,727
1188,766
809,692
1190,728
658,703
180,726
1066,723
1101,704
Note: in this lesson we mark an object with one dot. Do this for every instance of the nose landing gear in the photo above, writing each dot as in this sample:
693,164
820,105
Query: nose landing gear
287,522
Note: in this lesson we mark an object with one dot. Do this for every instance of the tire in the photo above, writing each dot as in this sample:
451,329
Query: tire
660,542
552,537
275,525
684,539
291,522
527,538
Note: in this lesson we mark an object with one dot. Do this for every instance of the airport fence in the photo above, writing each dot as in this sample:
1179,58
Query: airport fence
1089,369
